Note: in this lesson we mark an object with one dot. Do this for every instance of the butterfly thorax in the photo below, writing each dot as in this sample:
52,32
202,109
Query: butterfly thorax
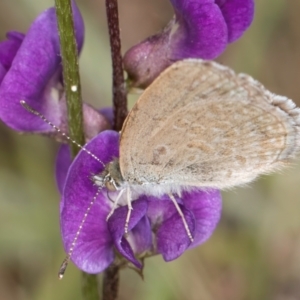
112,179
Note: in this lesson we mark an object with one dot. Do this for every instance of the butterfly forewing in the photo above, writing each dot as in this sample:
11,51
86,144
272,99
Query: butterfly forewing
200,124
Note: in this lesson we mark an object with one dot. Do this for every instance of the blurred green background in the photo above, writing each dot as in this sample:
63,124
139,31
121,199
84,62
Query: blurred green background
255,251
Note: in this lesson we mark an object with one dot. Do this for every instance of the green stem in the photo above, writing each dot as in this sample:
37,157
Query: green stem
71,76
69,55
89,283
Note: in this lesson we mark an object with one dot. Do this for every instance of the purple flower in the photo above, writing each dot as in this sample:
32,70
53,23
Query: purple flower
64,159
8,50
30,70
199,29
155,226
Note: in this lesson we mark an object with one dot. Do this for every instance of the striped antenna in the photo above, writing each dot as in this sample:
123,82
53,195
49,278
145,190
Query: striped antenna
41,116
65,262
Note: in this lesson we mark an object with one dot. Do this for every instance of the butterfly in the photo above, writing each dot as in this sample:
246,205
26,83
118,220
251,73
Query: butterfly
201,125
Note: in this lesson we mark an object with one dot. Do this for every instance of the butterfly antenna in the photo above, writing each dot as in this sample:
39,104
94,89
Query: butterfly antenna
65,262
41,116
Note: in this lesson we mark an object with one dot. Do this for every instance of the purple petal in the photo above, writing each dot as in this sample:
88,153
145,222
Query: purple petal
116,225
202,210
146,60
140,236
35,75
93,251
2,72
62,164
205,27
202,30
172,238
171,235
108,113
159,209
238,16
206,207
94,121
9,48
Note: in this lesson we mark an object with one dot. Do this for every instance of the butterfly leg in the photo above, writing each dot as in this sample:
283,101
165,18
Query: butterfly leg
186,226
114,205
129,209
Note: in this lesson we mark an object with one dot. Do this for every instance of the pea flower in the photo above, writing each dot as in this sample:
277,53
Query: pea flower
155,226
30,70
199,29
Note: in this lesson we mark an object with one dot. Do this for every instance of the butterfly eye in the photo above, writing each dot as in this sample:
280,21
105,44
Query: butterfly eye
111,185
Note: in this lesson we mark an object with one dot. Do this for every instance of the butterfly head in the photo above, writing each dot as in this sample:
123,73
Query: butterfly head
111,178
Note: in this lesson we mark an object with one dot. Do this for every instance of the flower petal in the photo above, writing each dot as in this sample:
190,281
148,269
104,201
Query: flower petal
62,164
200,29
172,238
2,72
146,60
140,237
116,225
238,16
35,75
108,113
10,47
202,211
206,206
93,250
94,121
171,235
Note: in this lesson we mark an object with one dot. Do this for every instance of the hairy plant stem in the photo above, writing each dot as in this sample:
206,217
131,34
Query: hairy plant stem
72,87
71,76
119,89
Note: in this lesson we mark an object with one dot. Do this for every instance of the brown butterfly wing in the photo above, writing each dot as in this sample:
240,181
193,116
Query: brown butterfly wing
200,124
